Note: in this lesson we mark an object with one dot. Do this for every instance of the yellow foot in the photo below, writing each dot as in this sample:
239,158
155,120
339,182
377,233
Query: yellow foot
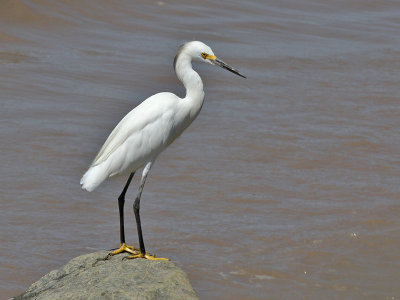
125,248
147,256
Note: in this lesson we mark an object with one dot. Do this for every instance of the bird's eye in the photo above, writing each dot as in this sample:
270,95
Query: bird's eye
204,55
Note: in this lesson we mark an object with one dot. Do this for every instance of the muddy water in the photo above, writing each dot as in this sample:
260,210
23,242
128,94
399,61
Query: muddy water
285,187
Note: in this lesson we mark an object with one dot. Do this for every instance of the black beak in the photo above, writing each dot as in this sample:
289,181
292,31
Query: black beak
223,65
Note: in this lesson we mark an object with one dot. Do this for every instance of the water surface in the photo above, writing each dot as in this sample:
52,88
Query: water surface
285,187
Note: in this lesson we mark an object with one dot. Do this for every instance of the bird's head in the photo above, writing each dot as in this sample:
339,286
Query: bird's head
201,52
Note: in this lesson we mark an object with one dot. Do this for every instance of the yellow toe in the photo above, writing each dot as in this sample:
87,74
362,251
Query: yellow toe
125,248
146,256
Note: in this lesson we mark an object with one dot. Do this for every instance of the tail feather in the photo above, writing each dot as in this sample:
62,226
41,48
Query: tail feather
93,177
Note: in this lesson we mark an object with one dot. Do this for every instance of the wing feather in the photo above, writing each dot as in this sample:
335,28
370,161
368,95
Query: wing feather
156,108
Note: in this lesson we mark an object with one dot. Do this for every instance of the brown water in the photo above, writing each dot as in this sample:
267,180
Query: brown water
285,187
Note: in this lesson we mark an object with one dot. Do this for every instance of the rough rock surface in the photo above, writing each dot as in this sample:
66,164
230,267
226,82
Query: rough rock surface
91,277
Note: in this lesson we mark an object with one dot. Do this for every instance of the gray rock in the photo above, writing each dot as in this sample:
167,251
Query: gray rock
91,277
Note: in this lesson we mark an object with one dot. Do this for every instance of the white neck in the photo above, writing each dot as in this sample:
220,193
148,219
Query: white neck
192,82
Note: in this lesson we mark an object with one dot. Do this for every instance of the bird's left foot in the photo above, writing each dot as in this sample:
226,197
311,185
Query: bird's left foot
147,256
125,248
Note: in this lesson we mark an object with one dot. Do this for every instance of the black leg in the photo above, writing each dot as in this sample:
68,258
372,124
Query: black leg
136,208
139,226
121,202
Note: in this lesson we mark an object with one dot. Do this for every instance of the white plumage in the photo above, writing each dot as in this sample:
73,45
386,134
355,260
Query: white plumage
139,137
148,129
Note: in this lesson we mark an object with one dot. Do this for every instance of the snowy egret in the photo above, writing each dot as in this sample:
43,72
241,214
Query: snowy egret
147,130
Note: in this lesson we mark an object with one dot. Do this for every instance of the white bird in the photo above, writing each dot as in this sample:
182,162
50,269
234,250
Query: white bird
147,130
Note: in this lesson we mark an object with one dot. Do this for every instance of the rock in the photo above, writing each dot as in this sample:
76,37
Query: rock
90,276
